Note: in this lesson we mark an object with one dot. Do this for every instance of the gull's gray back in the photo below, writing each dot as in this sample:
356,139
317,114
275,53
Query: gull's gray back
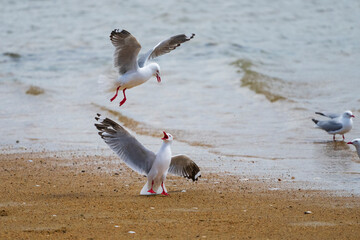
330,125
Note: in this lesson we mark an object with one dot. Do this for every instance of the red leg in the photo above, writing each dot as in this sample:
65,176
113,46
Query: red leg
333,137
151,189
113,98
124,99
163,192
343,137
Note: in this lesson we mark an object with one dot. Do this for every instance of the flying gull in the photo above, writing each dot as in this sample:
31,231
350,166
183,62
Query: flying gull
140,159
136,70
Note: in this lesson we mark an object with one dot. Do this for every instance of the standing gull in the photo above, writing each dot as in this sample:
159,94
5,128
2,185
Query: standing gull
337,124
139,158
133,70
356,143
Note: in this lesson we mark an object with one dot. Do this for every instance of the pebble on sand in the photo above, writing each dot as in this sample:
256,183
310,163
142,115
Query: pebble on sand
3,213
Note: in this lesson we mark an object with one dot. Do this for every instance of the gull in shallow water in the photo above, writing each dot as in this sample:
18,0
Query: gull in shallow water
139,158
356,143
133,70
337,124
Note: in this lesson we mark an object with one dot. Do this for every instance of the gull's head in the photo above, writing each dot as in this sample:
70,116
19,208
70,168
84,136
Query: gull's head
355,142
348,114
167,137
155,68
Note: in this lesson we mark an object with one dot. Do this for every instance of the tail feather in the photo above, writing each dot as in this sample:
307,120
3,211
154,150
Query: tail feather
107,83
315,121
320,113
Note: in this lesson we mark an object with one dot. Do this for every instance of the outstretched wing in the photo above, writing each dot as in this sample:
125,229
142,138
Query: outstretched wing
126,50
330,125
130,150
163,47
329,115
183,166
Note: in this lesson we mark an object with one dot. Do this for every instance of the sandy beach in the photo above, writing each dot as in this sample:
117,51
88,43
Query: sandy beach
64,196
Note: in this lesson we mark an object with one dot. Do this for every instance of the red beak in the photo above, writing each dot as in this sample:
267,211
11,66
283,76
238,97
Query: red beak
349,143
158,77
165,136
352,116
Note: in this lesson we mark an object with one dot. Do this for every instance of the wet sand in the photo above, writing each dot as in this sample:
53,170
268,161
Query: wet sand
64,196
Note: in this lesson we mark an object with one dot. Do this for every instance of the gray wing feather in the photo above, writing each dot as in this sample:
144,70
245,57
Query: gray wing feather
183,166
126,50
329,115
130,150
330,125
164,47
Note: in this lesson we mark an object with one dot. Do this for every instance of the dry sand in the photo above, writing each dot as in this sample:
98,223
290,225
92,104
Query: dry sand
60,196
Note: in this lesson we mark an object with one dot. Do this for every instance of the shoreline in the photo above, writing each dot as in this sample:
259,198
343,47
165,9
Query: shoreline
92,197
